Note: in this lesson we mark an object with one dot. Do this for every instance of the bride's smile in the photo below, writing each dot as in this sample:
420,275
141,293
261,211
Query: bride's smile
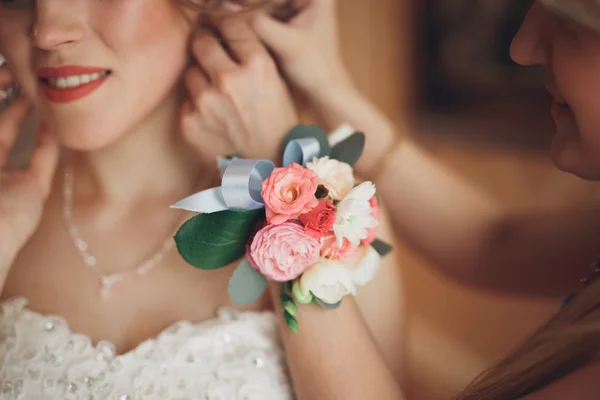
139,48
70,83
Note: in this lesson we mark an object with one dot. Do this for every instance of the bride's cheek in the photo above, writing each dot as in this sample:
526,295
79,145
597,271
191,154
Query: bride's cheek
145,22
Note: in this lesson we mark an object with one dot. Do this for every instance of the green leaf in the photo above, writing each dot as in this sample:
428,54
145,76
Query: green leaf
327,306
287,303
246,285
381,247
350,149
290,321
309,131
215,240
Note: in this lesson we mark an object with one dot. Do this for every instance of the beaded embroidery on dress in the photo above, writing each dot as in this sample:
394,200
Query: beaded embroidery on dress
235,356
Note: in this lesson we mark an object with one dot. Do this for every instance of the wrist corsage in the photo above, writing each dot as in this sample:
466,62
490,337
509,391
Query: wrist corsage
307,224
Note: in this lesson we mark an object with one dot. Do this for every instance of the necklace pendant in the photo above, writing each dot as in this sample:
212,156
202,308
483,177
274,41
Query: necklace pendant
108,281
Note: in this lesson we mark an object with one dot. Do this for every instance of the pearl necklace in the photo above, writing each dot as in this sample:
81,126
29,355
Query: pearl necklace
107,281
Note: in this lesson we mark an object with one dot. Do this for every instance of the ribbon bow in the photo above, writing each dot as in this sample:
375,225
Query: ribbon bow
241,181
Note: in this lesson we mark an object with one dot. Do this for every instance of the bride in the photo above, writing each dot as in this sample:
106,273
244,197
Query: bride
95,299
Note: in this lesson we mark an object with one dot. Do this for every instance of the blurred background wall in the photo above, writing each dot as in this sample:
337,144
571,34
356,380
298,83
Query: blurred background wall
443,68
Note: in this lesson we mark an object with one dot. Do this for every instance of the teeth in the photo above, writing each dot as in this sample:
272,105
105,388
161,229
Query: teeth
72,81
75,80
61,83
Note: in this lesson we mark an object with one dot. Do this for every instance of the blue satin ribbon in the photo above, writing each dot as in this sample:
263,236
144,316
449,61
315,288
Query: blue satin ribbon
301,151
242,179
240,189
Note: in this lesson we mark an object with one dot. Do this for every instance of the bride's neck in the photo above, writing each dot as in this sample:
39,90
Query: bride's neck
150,161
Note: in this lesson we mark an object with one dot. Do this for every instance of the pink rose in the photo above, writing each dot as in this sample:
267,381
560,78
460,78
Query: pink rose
289,192
319,220
283,252
375,213
331,250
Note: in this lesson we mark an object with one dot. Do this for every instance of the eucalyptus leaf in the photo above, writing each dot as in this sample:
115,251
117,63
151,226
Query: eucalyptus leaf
349,150
381,247
309,131
325,305
246,285
290,307
290,321
215,240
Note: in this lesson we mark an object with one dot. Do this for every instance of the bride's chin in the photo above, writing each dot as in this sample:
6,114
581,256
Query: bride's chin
85,140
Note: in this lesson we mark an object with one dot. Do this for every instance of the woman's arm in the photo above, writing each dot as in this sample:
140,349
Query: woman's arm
355,351
333,356
464,233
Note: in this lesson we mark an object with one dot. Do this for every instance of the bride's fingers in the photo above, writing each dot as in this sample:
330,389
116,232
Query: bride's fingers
8,89
44,159
11,120
211,55
241,39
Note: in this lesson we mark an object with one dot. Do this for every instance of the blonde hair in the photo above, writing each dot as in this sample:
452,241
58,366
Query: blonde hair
564,344
584,12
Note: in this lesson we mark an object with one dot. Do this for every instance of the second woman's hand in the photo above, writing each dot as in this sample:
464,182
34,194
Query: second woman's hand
307,47
238,101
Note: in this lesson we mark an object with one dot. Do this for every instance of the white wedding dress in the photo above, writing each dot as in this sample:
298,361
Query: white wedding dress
235,356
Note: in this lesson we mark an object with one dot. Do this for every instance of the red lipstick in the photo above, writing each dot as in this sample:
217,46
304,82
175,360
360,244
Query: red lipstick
71,82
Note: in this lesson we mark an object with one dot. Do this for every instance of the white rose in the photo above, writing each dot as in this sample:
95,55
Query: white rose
353,215
337,177
366,266
328,280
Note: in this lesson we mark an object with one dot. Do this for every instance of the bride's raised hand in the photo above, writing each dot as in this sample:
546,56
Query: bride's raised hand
238,102
23,192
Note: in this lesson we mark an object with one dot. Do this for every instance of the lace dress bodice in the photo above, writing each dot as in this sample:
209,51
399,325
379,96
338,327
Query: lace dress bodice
235,356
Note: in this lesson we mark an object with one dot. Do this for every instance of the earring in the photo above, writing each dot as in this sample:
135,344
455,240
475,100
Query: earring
8,96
